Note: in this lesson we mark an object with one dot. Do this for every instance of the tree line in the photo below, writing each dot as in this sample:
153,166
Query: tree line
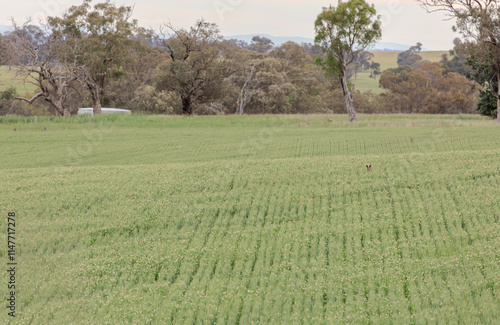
97,55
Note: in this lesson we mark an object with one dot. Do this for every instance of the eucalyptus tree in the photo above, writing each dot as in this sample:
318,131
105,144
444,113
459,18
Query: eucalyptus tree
343,32
97,40
261,44
410,56
198,65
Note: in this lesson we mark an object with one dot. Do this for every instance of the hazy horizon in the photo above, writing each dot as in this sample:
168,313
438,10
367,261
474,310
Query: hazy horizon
403,22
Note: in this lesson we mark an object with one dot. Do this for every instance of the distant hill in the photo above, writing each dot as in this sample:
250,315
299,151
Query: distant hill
392,47
4,29
278,40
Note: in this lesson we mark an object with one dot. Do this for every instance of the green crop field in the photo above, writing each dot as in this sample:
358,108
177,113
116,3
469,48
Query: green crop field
254,219
388,60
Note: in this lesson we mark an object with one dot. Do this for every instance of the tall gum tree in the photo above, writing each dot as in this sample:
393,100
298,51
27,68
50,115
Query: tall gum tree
479,22
343,32
96,43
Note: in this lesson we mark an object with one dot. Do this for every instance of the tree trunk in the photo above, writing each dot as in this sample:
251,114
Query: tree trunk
246,93
498,99
96,101
348,97
186,106
242,101
96,106
241,108
57,102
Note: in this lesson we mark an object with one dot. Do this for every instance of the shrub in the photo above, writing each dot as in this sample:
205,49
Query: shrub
148,99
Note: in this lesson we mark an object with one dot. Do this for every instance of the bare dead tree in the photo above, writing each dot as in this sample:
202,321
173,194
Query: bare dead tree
54,82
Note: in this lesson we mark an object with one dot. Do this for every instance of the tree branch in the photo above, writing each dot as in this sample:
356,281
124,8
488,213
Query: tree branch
32,99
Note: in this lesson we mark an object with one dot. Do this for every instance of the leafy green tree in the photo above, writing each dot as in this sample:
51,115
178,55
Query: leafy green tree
410,56
272,91
457,60
96,40
343,32
483,73
364,59
261,44
487,104
375,67
143,59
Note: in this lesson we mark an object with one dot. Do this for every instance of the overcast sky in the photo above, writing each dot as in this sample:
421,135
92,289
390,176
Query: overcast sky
404,22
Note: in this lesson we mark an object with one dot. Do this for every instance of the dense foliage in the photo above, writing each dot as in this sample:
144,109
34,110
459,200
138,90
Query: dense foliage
488,98
428,89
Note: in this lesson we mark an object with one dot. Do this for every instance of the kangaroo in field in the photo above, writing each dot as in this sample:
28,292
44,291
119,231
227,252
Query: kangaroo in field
368,168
